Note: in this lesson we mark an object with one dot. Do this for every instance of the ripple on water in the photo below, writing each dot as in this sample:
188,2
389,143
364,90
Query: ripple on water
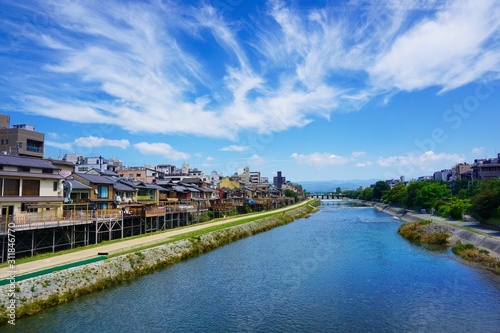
343,269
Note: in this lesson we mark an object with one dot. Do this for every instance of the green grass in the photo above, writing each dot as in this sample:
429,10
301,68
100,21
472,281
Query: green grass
472,253
48,255
415,231
195,233
139,267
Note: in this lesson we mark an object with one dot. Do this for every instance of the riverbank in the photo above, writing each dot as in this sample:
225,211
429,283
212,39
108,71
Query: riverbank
479,238
34,294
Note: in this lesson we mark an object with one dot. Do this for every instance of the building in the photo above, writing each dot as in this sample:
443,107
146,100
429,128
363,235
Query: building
20,140
484,169
443,175
99,164
255,177
29,187
102,193
461,171
143,174
279,180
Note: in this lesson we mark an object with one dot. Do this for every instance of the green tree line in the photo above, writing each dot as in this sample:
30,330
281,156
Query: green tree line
479,199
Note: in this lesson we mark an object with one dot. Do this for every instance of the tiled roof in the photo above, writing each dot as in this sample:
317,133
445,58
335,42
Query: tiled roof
26,162
30,175
119,186
76,185
96,179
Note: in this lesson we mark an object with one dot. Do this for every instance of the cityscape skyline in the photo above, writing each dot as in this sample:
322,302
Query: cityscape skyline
351,90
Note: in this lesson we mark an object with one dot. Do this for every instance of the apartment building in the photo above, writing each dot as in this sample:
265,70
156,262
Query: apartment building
20,140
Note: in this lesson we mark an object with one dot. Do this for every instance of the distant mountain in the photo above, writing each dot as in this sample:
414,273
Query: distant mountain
331,185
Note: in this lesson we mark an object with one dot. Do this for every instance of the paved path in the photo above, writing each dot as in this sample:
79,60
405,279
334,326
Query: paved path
125,244
471,223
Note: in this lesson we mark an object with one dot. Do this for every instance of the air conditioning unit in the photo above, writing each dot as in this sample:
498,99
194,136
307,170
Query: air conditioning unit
96,191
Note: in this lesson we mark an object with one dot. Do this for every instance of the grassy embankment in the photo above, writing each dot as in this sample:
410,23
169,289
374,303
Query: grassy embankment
428,232
424,232
472,253
251,217
34,295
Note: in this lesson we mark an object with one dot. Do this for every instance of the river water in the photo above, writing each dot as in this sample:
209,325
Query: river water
344,269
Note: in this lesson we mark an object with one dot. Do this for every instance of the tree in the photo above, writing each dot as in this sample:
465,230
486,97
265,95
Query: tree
486,203
353,194
338,190
430,193
425,194
291,194
379,189
367,194
397,195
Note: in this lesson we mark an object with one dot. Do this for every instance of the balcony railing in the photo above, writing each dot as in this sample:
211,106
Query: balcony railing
145,198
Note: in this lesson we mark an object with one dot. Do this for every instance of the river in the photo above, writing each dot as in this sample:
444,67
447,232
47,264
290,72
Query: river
344,269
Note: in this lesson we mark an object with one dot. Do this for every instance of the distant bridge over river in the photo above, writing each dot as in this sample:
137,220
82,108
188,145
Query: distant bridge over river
326,196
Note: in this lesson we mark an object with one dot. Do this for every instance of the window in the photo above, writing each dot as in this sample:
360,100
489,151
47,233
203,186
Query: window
31,187
102,192
2,141
23,169
29,207
138,175
11,187
54,186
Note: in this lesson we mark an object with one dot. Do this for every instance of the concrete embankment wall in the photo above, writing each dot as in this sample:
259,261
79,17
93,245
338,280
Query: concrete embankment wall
458,234
32,295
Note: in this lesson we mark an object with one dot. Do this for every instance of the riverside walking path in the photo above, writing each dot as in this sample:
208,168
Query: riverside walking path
130,244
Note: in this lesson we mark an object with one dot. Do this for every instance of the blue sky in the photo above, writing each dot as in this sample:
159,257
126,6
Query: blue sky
319,90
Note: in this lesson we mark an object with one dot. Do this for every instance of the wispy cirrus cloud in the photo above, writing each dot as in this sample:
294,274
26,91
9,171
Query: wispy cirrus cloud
137,65
451,49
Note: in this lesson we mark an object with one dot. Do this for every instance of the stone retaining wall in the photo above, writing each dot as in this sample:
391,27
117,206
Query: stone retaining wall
33,295
464,236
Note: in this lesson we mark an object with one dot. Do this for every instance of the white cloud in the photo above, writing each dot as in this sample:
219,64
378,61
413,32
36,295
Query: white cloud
477,151
235,148
357,154
93,141
209,158
448,50
320,159
326,159
256,160
364,164
428,161
64,146
162,149
137,65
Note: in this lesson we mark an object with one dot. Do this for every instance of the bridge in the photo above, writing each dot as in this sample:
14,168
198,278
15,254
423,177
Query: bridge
326,196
